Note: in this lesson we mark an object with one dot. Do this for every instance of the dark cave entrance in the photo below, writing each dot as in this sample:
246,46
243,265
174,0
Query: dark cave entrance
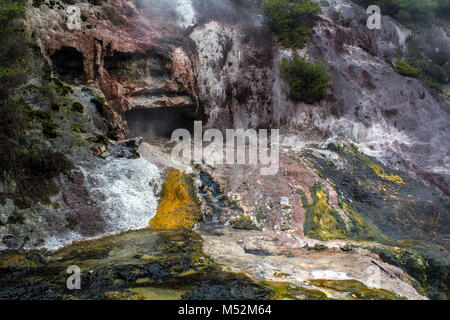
68,65
158,123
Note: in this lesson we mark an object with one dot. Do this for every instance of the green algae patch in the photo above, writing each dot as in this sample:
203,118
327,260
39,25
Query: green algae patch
393,209
322,221
371,164
150,293
355,289
429,271
380,205
77,107
15,260
244,223
288,291
144,264
179,206
358,227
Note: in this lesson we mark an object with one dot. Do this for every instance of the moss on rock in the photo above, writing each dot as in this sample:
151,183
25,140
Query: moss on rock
77,107
244,223
355,289
288,291
144,264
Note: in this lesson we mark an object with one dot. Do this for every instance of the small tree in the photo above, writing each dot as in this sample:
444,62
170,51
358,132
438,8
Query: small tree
290,21
309,82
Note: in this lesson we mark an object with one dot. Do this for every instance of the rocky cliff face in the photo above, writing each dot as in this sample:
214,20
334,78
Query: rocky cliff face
139,67
144,54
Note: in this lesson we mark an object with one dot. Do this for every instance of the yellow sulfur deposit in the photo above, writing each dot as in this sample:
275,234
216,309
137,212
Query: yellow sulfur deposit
179,206
376,168
321,218
379,171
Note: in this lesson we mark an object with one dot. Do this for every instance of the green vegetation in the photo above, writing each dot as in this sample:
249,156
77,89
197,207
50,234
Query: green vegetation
309,81
405,69
412,11
27,168
78,128
14,46
317,247
428,50
244,223
323,222
37,3
344,21
16,220
77,107
98,101
409,258
288,291
429,272
61,88
290,21
71,223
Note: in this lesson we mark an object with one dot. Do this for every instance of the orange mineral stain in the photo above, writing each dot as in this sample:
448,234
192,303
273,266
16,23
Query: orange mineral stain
179,206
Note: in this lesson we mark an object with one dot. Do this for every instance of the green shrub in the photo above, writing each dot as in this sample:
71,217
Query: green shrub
429,51
290,21
61,88
10,10
244,223
412,11
37,3
27,167
14,46
309,82
16,220
405,69
55,106
343,20
49,130
13,122
38,115
77,107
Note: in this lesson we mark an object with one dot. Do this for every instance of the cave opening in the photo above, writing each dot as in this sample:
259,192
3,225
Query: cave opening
154,124
68,65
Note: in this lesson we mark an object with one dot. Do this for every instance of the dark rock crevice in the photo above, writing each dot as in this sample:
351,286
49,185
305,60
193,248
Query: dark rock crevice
154,123
68,65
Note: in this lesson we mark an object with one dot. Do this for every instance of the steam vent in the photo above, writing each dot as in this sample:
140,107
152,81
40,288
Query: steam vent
224,150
